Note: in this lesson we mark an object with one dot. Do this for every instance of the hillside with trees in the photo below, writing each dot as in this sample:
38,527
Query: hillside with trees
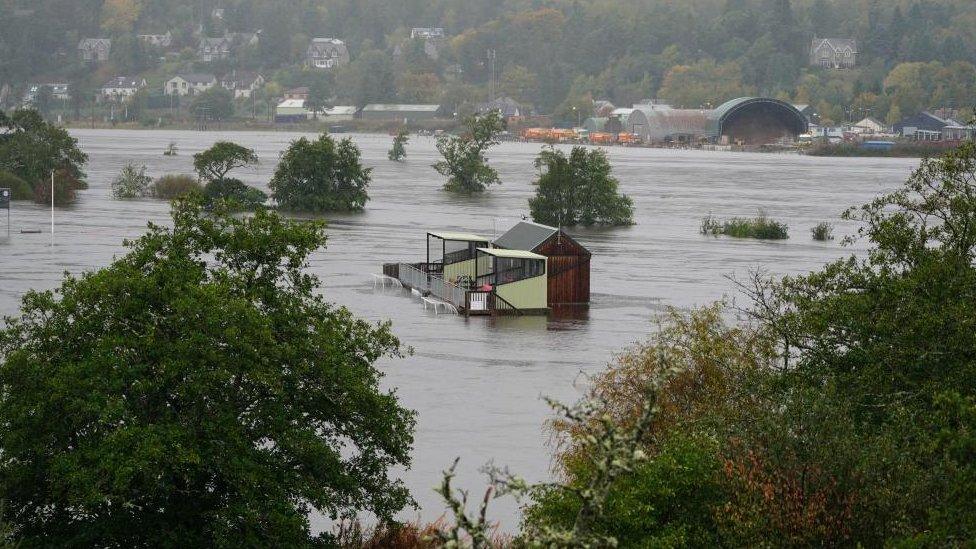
550,54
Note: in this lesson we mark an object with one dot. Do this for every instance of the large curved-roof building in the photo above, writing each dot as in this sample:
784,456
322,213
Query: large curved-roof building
748,120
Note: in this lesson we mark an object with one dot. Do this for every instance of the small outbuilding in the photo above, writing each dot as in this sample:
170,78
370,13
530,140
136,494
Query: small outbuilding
568,262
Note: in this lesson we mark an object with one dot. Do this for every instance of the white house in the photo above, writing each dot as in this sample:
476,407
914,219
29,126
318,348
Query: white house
94,50
242,83
189,84
326,53
157,40
292,110
121,87
870,125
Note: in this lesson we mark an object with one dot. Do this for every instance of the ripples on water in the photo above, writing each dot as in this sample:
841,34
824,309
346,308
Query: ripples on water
477,383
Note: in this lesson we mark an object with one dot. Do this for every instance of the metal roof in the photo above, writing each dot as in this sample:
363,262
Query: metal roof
511,254
721,113
459,237
380,107
525,236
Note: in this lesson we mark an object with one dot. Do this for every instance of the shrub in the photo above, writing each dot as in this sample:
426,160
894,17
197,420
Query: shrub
759,227
132,182
19,189
823,231
175,185
235,192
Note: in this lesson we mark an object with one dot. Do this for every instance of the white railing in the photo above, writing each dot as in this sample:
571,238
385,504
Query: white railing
437,286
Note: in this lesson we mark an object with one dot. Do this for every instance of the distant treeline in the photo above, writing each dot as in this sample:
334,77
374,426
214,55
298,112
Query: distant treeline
554,54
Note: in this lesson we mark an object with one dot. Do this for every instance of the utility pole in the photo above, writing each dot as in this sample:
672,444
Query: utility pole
492,56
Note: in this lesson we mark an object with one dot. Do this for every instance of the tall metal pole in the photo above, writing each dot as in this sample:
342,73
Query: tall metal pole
52,206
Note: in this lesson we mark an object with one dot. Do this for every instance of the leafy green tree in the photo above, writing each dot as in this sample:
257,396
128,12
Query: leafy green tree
321,176
198,391
214,163
235,193
578,190
132,182
215,104
319,95
465,163
399,150
31,148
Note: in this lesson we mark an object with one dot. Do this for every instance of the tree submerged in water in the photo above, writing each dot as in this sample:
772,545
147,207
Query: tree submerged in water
465,163
198,391
578,190
399,150
213,165
321,176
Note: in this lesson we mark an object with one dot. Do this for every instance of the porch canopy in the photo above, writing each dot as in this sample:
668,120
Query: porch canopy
446,248
496,266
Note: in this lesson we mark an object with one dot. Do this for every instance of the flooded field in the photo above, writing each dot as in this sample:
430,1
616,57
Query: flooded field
478,384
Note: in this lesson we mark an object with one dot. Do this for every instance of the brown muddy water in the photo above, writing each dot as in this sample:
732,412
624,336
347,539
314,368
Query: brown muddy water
478,384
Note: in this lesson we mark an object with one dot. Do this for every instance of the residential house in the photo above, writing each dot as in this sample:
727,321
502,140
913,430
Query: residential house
924,126
214,49
60,92
870,125
326,53
189,84
242,83
162,41
508,108
121,87
300,92
834,53
400,113
433,37
94,50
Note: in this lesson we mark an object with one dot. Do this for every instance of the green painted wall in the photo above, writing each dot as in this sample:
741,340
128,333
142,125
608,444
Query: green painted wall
453,270
526,294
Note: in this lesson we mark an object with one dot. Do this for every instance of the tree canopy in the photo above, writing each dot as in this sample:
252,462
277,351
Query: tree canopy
321,176
198,391
849,385
578,190
214,163
464,156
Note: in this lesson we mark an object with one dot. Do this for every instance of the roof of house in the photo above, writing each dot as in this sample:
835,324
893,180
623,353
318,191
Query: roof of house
339,110
303,90
837,44
382,107
869,120
241,78
505,105
292,104
460,237
88,42
511,254
525,235
125,82
197,77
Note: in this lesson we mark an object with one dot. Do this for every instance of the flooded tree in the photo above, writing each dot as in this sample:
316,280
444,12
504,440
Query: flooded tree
465,163
213,165
132,182
198,391
399,150
578,190
32,149
321,176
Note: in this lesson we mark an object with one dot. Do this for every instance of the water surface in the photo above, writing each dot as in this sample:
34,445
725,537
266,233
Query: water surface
477,383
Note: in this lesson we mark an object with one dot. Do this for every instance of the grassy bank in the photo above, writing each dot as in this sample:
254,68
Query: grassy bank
899,150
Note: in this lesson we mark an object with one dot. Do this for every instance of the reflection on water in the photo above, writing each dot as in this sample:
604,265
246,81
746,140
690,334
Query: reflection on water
477,383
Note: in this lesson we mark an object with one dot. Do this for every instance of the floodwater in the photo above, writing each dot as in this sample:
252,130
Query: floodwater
478,384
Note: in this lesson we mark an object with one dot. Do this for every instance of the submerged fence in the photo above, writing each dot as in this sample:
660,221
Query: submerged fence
437,286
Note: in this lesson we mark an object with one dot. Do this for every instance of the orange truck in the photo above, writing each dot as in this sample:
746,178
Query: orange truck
628,138
602,138
535,134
